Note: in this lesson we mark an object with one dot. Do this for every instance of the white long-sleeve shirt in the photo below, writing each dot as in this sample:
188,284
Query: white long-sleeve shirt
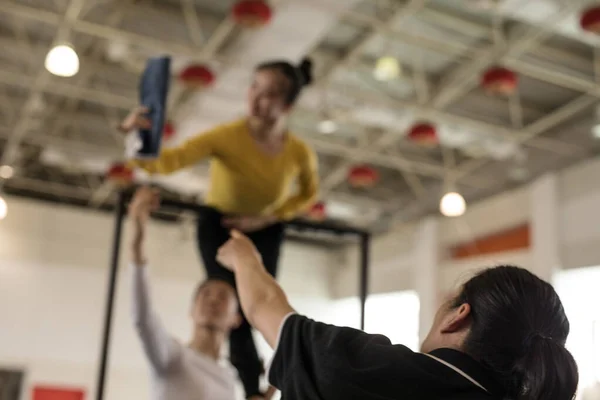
178,372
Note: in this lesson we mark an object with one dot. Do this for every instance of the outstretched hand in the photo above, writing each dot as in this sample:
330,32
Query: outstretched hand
136,120
145,200
143,203
238,252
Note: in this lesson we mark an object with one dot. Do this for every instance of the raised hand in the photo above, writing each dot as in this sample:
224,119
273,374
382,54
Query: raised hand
143,203
238,252
136,120
145,200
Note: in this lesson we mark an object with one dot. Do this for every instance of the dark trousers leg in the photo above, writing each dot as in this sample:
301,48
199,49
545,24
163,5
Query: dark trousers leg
268,241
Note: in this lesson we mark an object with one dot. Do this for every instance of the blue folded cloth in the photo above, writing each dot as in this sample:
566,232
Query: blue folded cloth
154,88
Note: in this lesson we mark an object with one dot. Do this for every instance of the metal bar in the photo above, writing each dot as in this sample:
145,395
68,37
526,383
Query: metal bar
365,254
461,79
296,224
192,22
428,111
324,146
541,125
374,157
110,296
548,75
109,33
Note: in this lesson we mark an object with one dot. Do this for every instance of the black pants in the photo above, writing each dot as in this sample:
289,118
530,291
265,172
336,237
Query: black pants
211,235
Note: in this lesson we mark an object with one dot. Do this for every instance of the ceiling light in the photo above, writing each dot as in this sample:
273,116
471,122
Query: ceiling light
596,131
453,205
386,69
327,126
62,61
3,208
6,172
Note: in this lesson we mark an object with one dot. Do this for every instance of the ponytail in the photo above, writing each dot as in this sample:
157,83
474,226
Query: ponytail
508,304
547,371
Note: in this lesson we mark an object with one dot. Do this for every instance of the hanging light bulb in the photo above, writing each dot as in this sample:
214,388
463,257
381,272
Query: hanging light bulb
327,126
386,69
3,208
596,127
453,205
6,172
62,60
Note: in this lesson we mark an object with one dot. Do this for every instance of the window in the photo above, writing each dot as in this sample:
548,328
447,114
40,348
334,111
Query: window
395,315
578,290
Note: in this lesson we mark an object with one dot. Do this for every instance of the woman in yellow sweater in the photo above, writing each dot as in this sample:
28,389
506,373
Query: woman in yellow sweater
254,163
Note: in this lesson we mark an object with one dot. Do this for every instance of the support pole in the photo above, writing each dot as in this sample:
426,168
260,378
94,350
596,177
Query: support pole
365,247
110,296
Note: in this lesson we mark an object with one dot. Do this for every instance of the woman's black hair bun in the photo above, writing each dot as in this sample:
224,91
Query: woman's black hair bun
306,71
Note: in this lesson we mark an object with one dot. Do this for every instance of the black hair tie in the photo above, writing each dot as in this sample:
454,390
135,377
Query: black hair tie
536,335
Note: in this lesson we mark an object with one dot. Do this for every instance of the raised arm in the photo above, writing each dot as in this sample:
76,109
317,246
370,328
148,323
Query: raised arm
173,159
308,180
312,361
160,348
264,303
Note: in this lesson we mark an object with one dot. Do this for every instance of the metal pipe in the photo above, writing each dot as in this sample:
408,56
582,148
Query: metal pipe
110,296
365,255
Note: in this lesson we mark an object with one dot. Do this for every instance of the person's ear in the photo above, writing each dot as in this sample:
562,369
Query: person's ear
457,319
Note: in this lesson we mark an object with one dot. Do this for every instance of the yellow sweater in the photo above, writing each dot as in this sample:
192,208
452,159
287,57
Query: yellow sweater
245,180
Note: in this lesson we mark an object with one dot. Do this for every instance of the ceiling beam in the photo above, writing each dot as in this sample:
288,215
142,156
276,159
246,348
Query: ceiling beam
335,177
461,79
21,125
191,51
114,100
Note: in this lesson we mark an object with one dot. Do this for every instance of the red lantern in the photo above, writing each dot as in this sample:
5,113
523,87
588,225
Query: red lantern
317,212
252,13
362,176
197,76
423,134
500,80
590,20
168,131
120,174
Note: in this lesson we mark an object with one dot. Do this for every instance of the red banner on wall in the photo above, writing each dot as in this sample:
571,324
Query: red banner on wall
57,393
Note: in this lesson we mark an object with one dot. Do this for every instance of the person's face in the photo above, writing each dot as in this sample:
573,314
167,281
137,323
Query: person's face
267,95
216,307
450,327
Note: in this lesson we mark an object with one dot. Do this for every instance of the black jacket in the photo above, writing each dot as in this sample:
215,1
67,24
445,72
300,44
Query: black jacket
316,361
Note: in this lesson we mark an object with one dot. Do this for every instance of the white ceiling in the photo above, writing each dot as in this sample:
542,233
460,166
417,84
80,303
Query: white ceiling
60,132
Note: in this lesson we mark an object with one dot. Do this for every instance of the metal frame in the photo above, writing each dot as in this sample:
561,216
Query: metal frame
422,174
364,242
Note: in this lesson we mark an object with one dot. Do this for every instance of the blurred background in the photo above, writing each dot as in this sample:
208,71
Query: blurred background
461,133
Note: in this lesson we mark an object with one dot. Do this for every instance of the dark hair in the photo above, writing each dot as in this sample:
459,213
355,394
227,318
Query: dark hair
205,283
299,76
518,330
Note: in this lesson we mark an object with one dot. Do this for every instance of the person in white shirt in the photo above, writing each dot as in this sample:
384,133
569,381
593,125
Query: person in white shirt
182,371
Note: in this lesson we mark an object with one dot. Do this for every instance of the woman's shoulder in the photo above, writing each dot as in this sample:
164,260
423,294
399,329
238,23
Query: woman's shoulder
299,145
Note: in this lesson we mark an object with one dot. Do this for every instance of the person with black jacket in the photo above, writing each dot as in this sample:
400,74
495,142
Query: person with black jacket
502,336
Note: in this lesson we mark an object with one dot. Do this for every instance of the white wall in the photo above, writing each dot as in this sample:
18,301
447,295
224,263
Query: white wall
578,289
389,266
578,228
498,213
53,275
579,218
